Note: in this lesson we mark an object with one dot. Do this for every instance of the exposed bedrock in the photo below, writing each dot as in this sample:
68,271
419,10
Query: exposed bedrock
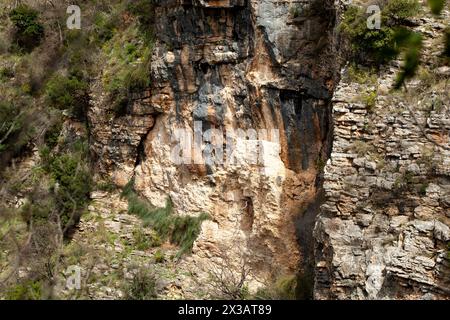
233,64
384,229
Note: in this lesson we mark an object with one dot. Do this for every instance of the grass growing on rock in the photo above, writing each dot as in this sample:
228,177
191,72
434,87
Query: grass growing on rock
180,230
283,288
27,290
142,286
128,53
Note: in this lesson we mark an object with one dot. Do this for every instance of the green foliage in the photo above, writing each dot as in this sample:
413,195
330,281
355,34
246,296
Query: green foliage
144,11
128,189
398,11
107,186
157,218
393,39
16,127
11,122
142,241
436,6
447,43
130,72
376,45
52,134
180,230
159,256
129,54
6,73
370,99
74,185
362,148
185,230
105,26
29,31
423,189
411,42
68,93
357,74
245,292
142,286
372,44
73,253
28,290
404,182
72,182
284,288
38,211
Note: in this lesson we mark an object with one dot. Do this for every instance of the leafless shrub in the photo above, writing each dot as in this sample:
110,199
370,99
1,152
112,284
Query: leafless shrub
227,277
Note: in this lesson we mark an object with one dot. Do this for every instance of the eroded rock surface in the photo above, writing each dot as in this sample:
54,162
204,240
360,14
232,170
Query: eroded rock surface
234,65
384,227
383,231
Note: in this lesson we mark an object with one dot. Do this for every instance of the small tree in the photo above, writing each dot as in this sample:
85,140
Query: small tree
228,278
29,31
68,93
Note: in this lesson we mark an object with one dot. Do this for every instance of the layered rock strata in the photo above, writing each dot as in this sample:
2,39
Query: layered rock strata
229,65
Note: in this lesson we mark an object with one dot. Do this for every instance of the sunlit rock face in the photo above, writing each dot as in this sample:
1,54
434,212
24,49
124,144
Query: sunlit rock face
255,85
383,231
229,65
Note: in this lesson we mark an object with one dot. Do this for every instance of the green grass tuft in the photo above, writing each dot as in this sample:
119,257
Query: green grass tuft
180,230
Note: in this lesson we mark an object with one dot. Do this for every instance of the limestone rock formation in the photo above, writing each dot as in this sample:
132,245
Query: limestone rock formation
232,65
383,228
383,231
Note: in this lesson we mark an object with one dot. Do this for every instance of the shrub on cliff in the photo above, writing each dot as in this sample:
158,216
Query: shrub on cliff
411,44
376,45
16,128
447,43
128,68
369,46
70,184
143,241
142,286
28,30
436,6
27,290
52,134
143,10
284,288
396,12
68,93
128,52
11,121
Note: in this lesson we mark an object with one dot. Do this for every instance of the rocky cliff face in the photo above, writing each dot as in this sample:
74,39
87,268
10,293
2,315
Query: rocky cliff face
308,168
232,65
383,231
